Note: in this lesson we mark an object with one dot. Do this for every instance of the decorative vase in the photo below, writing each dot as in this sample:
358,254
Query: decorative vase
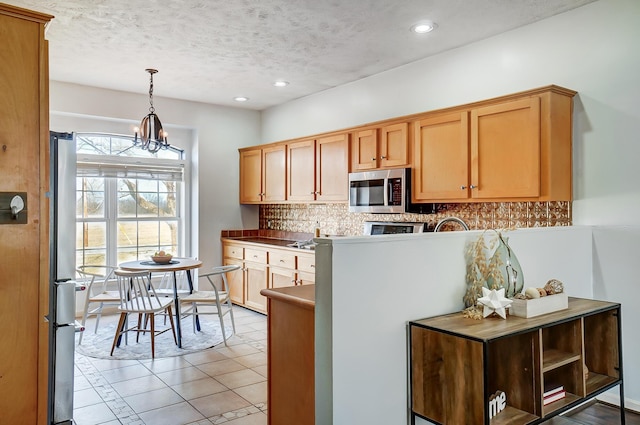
505,269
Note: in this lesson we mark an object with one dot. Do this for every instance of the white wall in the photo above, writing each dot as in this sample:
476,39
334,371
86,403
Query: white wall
592,50
210,134
377,284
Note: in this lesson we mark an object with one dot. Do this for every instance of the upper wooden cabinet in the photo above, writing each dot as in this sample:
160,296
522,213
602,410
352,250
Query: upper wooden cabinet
391,150
509,149
262,175
251,176
515,149
318,170
332,168
441,158
301,185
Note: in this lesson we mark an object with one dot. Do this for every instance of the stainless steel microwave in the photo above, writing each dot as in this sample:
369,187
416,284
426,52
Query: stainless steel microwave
383,191
379,191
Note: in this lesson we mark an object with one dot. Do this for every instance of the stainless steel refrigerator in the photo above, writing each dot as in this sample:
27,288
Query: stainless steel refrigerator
62,286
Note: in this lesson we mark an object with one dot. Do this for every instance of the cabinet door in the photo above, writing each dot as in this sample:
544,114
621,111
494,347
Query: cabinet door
301,175
332,168
394,145
251,176
273,173
441,152
364,150
256,278
306,278
280,277
235,279
505,150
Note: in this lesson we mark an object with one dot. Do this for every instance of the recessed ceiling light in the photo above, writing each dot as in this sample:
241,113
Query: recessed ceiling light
423,27
281,83
240,99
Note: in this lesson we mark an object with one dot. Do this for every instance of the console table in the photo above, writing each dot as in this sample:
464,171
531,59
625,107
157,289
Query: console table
458,366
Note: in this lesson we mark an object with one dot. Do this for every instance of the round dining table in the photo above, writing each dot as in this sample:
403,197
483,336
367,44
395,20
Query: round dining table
175,265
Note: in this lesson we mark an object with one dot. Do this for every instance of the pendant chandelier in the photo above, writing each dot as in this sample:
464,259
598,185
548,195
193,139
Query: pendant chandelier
152,136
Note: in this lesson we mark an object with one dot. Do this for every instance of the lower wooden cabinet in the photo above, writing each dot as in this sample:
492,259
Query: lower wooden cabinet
291,356
264,266
461,370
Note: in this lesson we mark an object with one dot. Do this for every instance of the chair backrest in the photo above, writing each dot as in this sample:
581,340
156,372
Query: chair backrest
222,271
136,291
97,277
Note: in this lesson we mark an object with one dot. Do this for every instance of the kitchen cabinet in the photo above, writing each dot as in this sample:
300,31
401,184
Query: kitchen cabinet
264,266
282,268
441,159
516,148
318,169
290,355
234,256
24,246
460,366
255,268
392,149
262,175
301,185
306,269
246,283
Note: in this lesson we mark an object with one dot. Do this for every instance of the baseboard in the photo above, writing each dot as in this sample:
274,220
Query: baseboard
612,399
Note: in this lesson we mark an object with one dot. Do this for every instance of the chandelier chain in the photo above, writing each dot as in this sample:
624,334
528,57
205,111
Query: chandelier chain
151,108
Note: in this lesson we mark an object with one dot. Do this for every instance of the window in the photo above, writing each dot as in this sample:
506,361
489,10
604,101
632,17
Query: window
128,201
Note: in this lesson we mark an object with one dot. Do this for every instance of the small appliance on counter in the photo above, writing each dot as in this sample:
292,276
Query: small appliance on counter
392,228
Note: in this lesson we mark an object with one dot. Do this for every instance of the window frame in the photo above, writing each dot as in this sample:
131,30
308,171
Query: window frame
135,166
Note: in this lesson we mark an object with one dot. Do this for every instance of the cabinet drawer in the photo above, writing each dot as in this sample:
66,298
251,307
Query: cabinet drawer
233,251
307,263
255,255
282,259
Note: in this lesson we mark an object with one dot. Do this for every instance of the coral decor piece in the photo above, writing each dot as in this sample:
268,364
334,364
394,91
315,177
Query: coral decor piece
493,301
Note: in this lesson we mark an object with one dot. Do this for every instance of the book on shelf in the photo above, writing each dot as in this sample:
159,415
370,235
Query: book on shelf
552,389
553,397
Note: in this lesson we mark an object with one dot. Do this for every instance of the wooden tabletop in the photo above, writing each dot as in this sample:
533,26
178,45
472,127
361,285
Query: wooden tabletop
150,266
493,327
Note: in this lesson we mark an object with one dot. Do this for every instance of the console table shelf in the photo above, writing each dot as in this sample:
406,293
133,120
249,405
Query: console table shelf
460,368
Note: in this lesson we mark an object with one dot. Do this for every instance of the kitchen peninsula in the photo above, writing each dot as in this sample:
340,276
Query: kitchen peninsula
369,288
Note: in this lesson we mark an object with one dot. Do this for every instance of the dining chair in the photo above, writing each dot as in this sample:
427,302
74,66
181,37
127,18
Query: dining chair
97,292
216,302
137,296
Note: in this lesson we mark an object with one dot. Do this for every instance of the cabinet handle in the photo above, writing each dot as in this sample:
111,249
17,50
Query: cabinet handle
373,159
282,261
473,186
463,187
313,265
383,157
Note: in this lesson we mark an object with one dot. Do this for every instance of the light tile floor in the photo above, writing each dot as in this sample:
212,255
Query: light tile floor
221,385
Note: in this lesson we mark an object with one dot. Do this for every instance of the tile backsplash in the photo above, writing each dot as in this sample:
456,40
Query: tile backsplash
335,219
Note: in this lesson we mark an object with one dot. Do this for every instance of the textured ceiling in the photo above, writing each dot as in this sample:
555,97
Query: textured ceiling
213,50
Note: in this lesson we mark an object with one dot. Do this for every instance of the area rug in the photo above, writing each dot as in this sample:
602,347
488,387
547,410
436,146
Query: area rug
98,345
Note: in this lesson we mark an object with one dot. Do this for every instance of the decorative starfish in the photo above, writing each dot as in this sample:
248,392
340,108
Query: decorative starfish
494,301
